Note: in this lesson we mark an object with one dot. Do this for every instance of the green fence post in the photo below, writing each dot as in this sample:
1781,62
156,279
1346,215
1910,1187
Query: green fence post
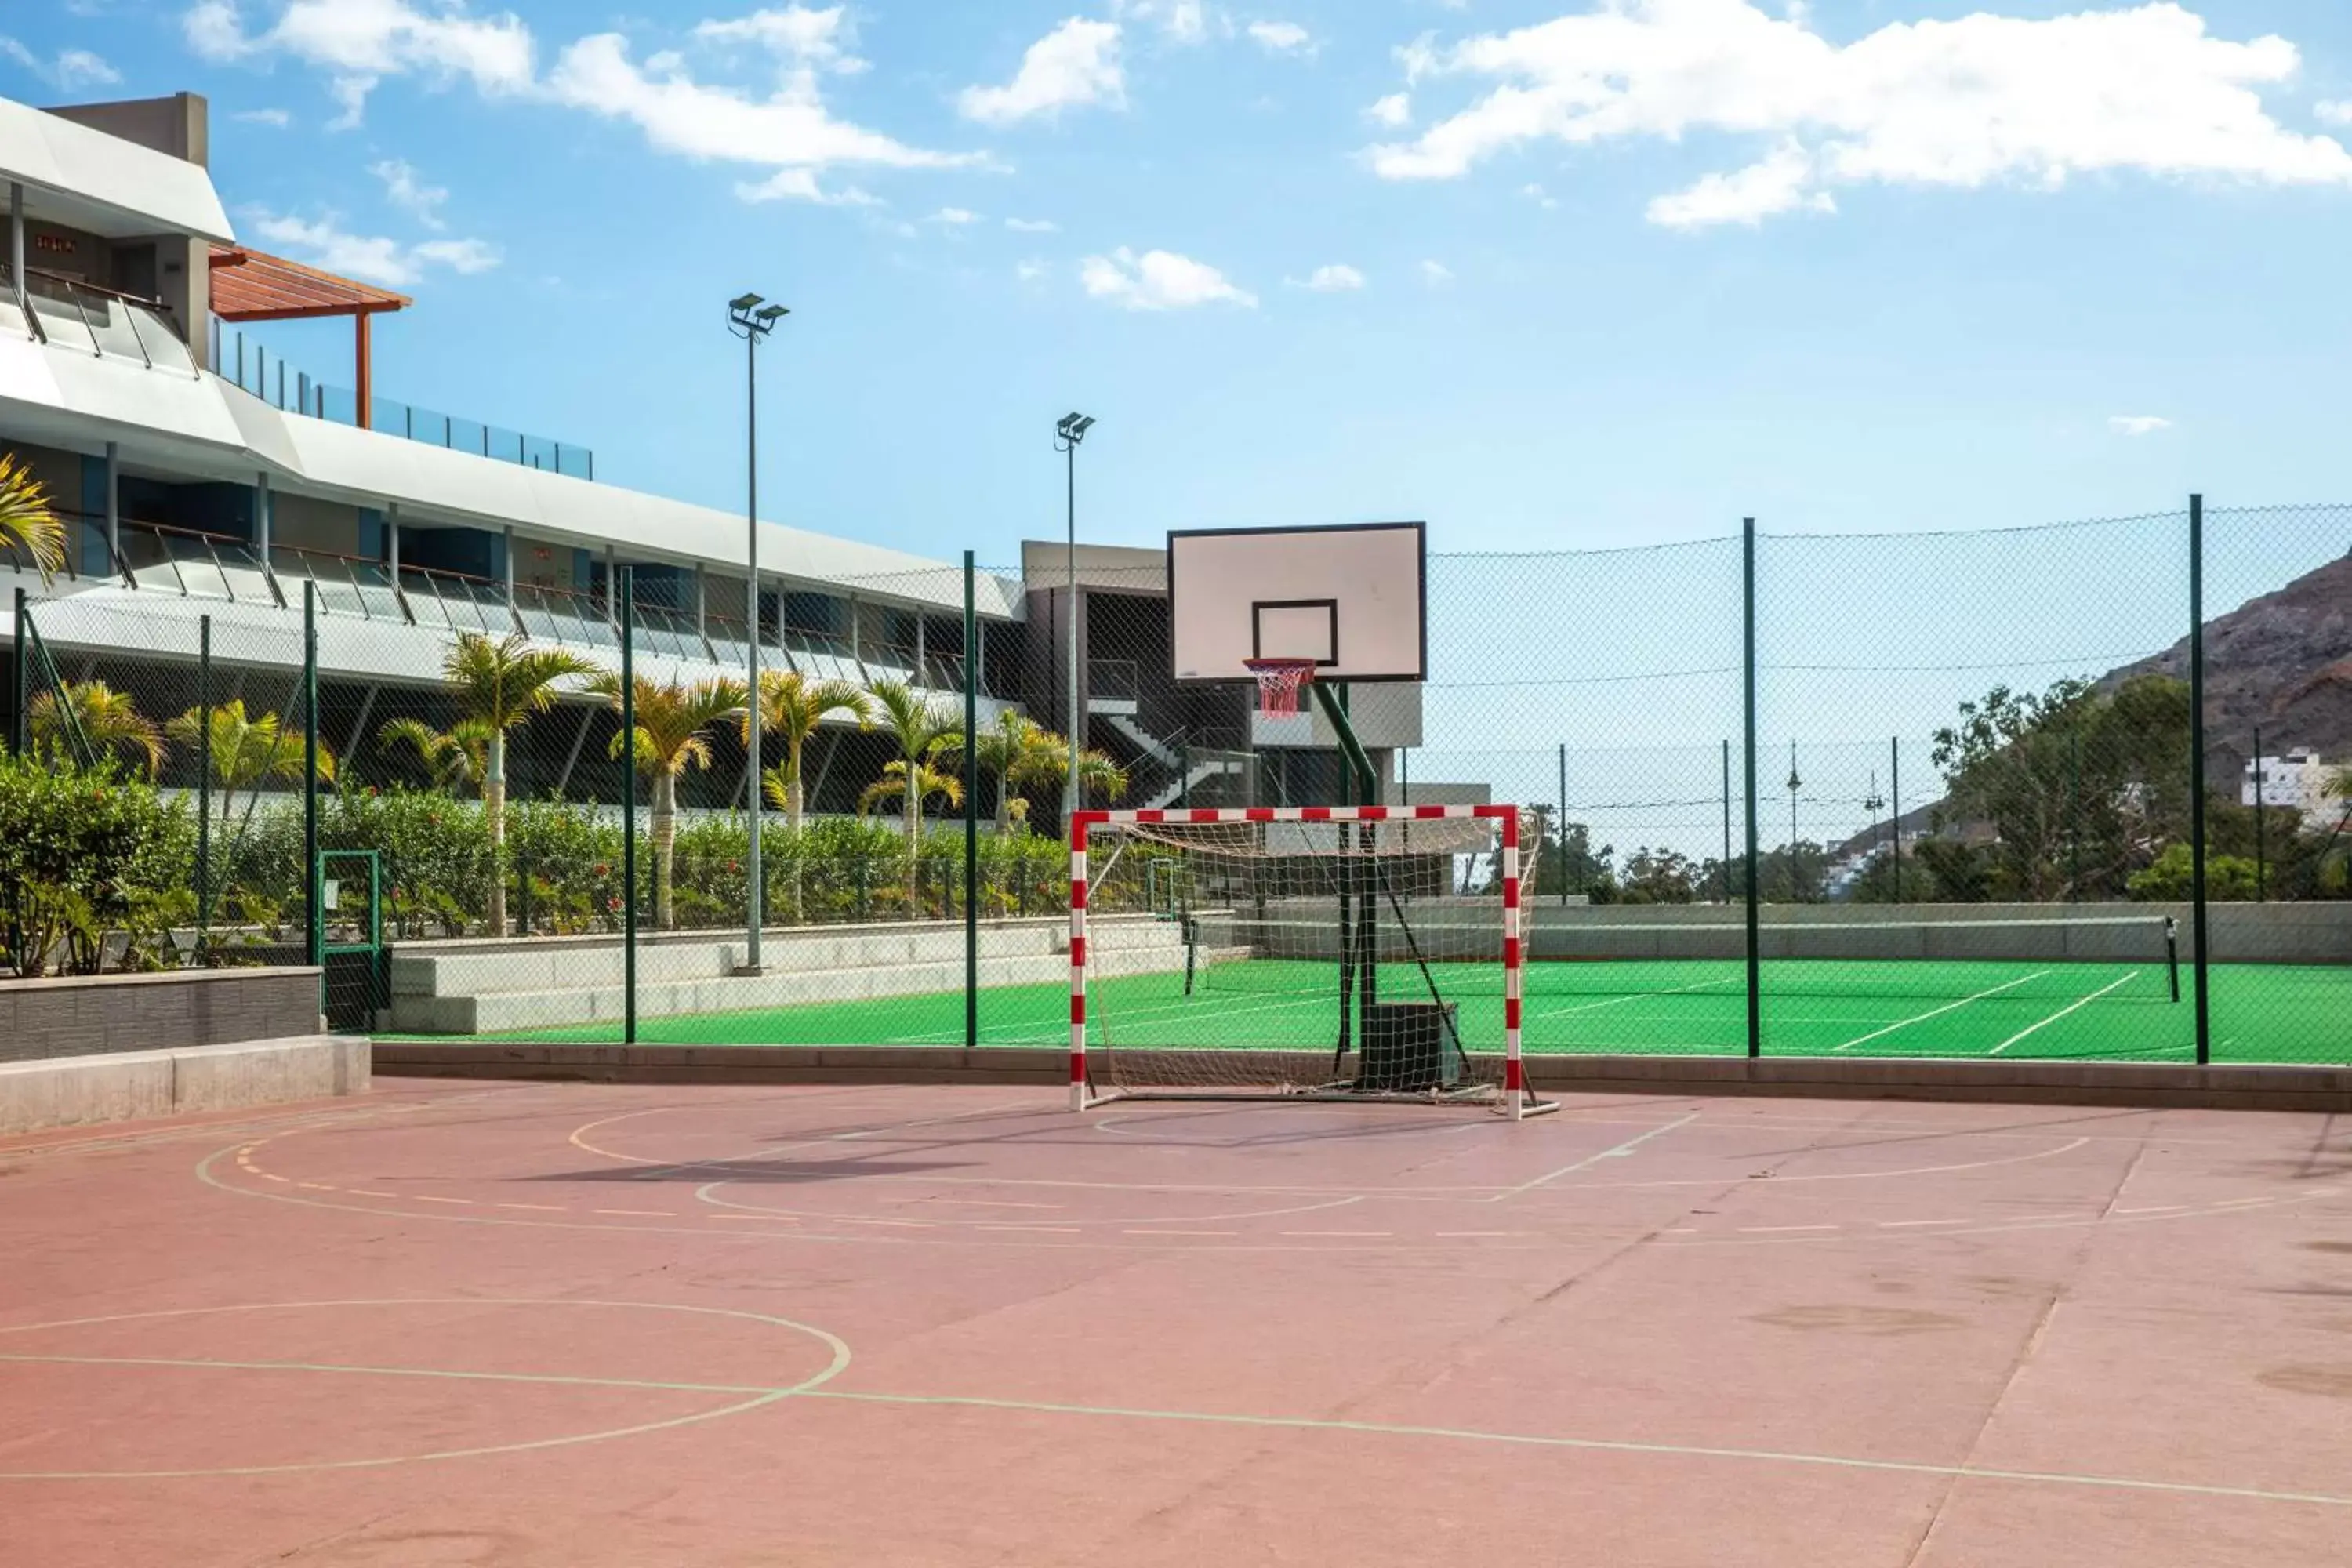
1747,679
971,810
315,873
204,786
2197,773
627,589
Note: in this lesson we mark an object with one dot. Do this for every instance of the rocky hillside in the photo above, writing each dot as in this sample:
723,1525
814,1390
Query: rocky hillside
2283,662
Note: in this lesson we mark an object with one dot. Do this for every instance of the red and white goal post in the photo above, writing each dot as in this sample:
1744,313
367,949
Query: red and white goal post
1205,945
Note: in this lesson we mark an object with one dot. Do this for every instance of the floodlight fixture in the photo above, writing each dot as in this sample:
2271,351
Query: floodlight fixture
1074,426
770,315
744,302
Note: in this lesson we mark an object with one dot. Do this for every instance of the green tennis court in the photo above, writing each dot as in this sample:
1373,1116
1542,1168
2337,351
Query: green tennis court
2087,1010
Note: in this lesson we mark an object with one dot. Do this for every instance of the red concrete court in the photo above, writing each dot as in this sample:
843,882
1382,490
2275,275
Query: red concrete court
557,1326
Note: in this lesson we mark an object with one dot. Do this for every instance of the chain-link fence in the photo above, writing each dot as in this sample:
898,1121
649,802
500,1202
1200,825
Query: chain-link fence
1943,795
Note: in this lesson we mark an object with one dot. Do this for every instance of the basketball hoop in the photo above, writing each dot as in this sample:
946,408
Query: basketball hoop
1278,684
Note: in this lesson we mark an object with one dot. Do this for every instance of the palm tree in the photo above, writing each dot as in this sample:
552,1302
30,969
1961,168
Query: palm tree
671,719
499,684
892,785
1024,757
922,730
793,706
246,749
457,758
27,522
105,719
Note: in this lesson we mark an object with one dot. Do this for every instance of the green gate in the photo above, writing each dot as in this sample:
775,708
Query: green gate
356,989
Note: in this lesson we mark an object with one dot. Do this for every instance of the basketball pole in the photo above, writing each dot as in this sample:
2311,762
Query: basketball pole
1333,703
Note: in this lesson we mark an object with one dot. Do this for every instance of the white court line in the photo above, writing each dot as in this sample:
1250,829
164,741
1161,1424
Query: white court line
1634,996
1621,1150
1946,1007
2061,1012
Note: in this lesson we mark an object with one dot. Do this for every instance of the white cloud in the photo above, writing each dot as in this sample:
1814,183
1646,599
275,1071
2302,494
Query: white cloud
1282,38
1394,111
781,128
466,255
1182,21
2137,424
1159,280
1962,104
361,42
410,194
2337,111
275,118
814,40
1336,278
1076,65
955,217
1780,183
1536,194
1029,272
69,71
791,131
1032,226
372,259
1436,274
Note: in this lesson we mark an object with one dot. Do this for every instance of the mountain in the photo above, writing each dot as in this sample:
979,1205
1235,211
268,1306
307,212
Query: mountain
2281,662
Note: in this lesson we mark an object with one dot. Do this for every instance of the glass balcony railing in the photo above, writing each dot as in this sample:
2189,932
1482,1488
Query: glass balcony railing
69,313
277,383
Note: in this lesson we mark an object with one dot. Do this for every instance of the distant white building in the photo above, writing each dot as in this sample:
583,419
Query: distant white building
2298,779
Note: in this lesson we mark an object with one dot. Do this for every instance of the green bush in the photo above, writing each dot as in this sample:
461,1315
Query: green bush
87,853
2229,879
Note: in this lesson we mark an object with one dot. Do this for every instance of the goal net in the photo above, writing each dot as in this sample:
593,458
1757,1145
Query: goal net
1300,953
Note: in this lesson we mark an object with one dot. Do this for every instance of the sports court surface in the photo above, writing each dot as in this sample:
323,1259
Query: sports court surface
2106,1011
527,1325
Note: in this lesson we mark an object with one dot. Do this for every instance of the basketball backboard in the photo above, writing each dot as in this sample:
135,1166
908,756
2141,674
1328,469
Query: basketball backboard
1351,598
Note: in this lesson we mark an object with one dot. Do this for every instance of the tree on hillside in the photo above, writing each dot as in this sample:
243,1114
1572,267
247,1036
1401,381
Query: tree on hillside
2082,786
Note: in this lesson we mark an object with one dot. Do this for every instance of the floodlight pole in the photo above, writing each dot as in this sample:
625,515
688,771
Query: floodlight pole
1072,430
752,319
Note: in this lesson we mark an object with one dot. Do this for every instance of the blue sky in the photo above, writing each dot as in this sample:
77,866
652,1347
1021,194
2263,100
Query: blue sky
1545,272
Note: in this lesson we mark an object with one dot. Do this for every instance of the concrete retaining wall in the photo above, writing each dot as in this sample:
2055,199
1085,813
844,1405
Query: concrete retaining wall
73,1092
99,1015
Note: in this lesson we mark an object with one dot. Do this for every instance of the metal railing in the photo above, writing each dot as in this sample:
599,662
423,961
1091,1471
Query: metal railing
272,378
70,313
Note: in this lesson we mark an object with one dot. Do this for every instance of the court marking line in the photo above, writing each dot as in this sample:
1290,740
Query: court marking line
836,1363
1590,1445
957,1236
1632,996
816,1389
708,1193
1617,1152
1946,1007
1763,1229
2061,1012
1423,1193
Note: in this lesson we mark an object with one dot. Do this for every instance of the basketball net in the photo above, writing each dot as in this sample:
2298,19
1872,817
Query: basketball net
1279,681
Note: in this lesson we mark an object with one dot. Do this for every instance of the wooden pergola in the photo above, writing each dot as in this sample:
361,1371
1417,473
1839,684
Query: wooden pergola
250,285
